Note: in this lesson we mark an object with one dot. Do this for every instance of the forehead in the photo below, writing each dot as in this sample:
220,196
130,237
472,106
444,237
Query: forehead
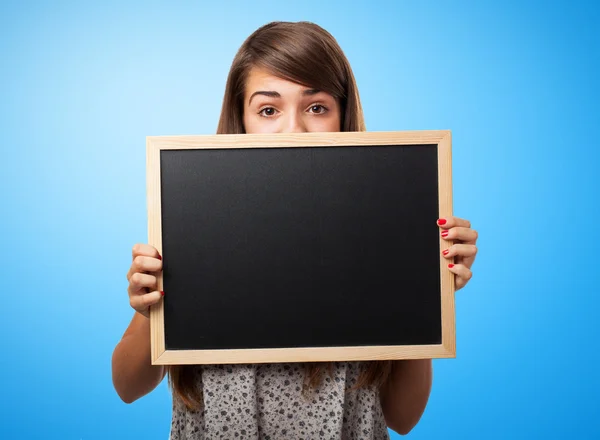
261,79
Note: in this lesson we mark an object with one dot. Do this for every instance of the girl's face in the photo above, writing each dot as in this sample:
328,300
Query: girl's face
275,105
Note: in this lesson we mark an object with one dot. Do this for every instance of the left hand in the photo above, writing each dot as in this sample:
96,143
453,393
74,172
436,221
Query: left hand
464,249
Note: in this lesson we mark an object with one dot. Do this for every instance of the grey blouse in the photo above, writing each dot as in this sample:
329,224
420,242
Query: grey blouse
265,401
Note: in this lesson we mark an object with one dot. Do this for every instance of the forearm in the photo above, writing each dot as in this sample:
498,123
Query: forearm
132,371
405,395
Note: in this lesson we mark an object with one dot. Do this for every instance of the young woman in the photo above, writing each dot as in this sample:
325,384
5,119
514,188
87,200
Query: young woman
286,77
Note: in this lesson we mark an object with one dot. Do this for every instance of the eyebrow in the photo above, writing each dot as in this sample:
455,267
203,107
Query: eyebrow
273,94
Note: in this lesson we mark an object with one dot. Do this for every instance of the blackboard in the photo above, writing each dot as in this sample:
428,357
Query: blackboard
301,247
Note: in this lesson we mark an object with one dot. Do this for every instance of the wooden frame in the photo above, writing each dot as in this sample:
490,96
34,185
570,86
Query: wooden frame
161,356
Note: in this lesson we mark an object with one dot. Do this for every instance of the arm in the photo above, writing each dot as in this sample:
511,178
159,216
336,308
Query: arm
133,374
405,394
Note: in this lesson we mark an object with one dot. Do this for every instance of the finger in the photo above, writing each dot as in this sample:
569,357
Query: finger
144,264
451,222
460,250
466,235
463,275
140,281
142,302
467,261
144,250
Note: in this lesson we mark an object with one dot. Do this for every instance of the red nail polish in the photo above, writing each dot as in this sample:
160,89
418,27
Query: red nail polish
162,293
445,234
159,257
441,221
446,252
450,266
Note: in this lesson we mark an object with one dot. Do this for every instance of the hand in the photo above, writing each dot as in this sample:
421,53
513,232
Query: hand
142,284
464,249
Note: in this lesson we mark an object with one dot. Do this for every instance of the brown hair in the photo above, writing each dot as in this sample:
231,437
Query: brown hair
306,54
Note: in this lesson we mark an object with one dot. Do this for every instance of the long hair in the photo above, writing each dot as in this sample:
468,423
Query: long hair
306,54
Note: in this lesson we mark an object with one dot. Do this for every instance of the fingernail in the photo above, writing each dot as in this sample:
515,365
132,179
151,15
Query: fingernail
159,257
162,293
445,234
446,252
450,266
441,221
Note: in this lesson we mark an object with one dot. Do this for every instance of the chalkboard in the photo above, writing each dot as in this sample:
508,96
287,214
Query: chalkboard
301,247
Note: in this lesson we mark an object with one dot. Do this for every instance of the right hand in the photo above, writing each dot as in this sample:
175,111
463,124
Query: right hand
146,261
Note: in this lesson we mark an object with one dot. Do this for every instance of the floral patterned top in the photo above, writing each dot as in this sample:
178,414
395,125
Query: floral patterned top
266,401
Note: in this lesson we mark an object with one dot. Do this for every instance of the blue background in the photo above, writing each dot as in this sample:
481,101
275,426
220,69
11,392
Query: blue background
82,84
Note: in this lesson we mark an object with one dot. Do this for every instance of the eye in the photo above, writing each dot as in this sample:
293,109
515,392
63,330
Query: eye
318,109
267,112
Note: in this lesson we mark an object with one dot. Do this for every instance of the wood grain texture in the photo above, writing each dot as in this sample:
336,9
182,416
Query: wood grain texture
279,140
447,277
319,354
157,317
442,138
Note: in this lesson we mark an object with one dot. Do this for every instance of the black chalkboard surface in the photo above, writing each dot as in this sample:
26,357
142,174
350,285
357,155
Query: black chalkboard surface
303,247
